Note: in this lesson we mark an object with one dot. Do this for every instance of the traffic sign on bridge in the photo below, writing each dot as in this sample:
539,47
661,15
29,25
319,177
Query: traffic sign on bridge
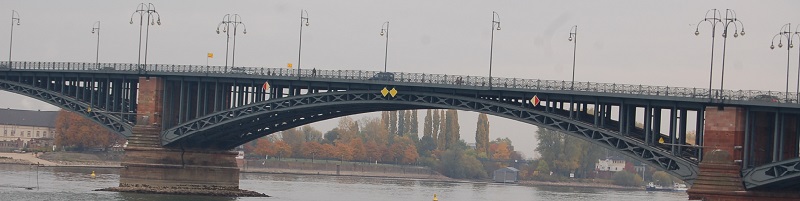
535,100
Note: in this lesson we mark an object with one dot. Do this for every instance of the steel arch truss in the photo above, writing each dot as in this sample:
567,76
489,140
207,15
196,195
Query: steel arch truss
352,102
113,123
774,175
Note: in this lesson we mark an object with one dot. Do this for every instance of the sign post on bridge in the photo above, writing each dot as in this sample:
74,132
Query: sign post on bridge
535,100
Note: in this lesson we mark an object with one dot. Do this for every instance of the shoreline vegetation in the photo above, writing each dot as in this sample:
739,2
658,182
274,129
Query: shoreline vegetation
290,167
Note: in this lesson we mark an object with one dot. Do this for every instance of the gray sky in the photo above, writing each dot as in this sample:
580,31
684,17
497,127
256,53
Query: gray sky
623,41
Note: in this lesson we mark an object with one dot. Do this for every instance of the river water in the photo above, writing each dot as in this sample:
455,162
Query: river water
76,184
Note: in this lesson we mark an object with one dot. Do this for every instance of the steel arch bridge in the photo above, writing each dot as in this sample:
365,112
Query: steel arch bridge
212,107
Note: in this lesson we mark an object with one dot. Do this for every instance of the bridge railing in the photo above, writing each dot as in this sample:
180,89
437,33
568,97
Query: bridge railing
424,78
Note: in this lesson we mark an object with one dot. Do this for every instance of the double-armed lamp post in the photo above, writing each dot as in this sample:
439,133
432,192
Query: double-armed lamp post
786,34
714,17
153,18
231,21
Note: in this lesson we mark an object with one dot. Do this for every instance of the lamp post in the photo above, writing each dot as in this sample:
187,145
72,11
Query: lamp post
153,18
573,36
303,18
96,29
714,19
231,21
14,18
495,25
385,31
785,33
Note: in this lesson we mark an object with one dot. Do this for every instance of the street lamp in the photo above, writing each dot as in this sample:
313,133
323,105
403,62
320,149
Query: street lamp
303,18
14,18
573,36
96,29
150,10
495,25
229,21
785,33
385,31
714,19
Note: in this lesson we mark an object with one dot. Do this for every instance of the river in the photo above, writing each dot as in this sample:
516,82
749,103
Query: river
76,184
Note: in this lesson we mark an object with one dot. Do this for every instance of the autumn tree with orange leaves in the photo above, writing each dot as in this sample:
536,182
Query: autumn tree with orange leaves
81,133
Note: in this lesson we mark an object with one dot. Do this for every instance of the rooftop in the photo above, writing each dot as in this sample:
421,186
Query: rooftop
28,118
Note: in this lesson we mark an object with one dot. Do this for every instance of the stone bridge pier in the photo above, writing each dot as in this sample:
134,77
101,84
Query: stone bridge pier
720,177
149,167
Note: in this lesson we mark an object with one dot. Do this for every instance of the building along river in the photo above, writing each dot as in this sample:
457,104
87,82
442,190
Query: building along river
63,183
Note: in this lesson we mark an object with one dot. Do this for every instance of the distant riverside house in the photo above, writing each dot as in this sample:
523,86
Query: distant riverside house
608,166
33,129
506,175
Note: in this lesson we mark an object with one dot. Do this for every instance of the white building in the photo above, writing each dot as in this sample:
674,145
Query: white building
612,164
25,125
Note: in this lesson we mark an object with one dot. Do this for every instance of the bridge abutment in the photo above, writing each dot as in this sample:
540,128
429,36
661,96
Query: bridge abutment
720,171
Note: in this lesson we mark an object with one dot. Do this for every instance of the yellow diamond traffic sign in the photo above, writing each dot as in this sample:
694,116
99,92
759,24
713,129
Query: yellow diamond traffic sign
384,92
661,140
89,109
393,92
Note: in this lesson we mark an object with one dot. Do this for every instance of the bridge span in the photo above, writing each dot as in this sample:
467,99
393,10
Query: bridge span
181,120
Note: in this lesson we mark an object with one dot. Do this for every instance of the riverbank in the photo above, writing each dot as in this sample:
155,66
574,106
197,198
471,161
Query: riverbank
338,168
578,184
57,159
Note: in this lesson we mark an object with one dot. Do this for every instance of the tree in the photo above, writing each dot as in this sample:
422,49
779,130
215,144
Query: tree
401,122
311,134
623,178
79,132
328,151
348,129
374,131
344,151
373,151
393,123
283,149
550,143
451,131
264,147
426,145
294,138
312,150
441,139
359,151
482,134
427,129
414,123
435,121
501,151
663,178
331,136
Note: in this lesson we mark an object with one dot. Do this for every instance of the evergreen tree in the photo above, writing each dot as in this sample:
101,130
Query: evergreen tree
385,119
482,134
393,123
435,121
401,122
452,134
414,122
427,126
441,140
407,124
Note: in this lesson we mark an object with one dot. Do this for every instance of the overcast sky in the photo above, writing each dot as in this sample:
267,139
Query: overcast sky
624,41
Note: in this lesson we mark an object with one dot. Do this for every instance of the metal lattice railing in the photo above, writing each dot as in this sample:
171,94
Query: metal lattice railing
424,78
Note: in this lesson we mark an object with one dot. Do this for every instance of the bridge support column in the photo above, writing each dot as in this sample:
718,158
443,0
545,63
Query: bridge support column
720,170
151,168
